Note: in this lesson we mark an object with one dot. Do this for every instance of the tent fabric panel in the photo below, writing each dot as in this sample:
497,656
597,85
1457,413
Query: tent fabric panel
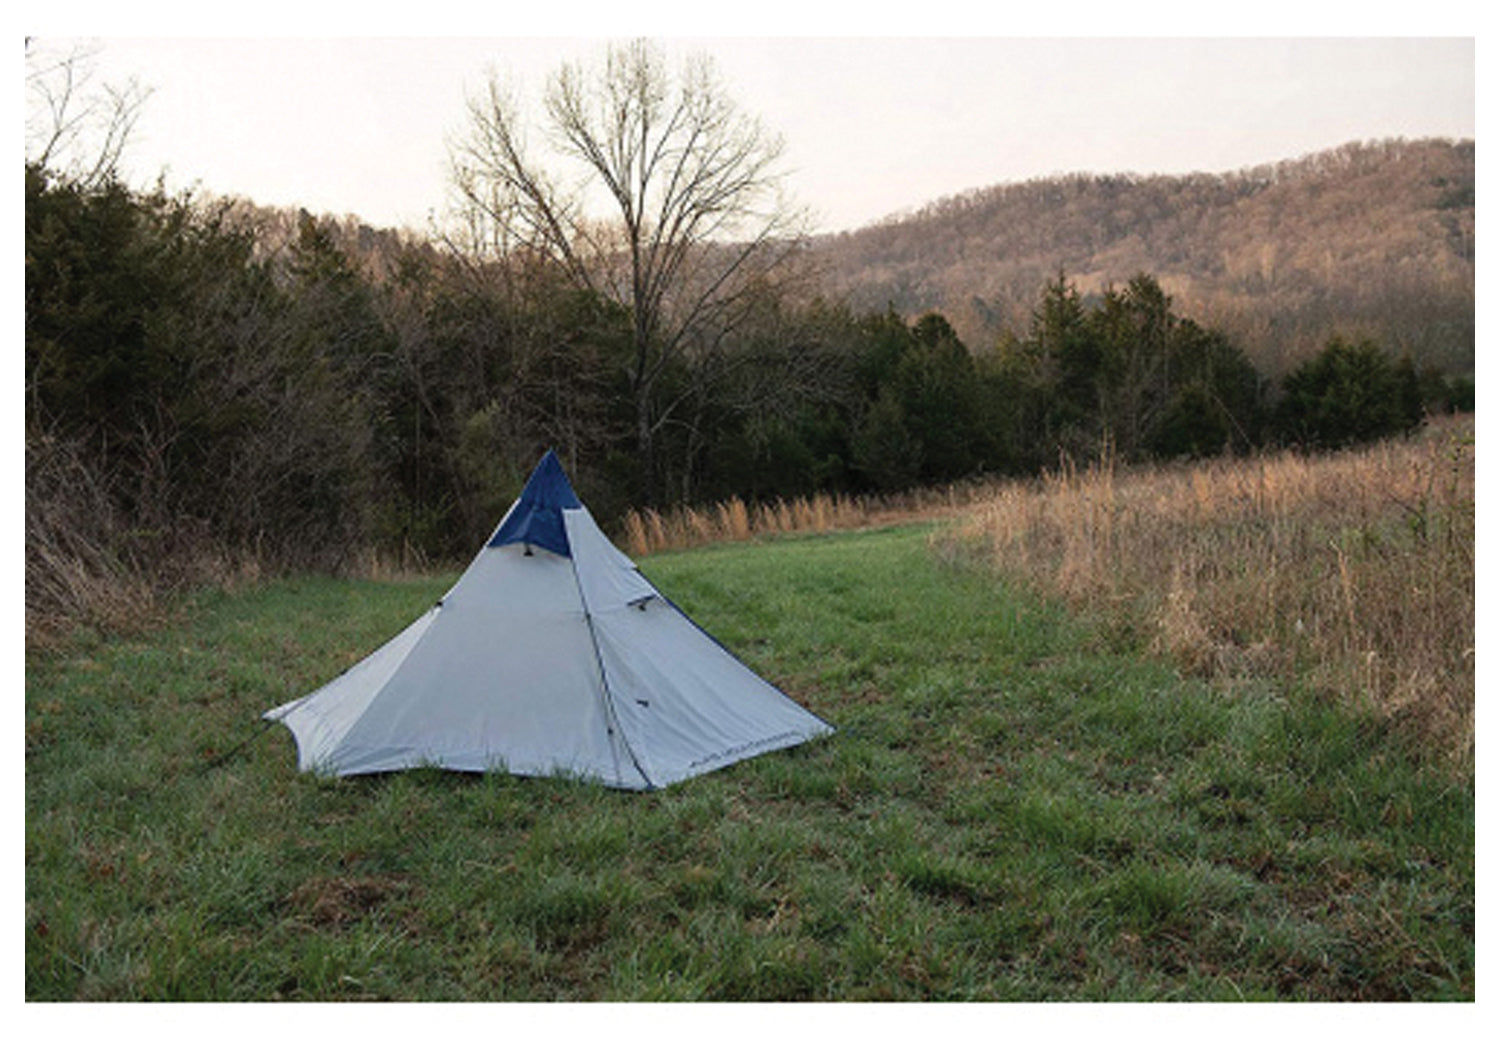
533,525
686,704
532,701
607,578
536,518
511,679
321,718
505,583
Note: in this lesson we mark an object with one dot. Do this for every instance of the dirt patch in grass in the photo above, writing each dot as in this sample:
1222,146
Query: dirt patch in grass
332,902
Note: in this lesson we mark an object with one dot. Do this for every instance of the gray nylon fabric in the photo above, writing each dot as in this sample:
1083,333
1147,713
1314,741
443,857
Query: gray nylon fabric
540,664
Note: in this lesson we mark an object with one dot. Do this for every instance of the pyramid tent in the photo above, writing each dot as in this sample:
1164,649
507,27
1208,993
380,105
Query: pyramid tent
551,655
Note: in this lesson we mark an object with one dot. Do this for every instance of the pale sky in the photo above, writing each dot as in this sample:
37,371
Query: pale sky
872,125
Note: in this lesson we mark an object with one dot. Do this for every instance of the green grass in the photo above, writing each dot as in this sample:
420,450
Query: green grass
1012,810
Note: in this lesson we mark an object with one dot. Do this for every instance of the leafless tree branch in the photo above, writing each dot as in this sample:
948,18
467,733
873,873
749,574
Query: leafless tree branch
689,186
75,126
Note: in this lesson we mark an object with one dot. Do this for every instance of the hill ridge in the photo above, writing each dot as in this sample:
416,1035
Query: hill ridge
1374,237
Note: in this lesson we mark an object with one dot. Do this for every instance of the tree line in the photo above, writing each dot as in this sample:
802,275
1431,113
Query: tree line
307,404
202,382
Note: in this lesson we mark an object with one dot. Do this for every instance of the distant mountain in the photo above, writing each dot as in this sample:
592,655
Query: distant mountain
1372,238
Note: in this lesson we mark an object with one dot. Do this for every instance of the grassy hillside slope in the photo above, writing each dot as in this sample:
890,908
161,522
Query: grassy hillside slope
1011,810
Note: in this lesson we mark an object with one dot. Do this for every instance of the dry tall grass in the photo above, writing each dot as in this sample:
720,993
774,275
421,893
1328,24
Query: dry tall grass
77,573
92,569
651,531
1352,573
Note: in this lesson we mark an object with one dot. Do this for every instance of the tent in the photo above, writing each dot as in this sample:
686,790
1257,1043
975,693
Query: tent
551,655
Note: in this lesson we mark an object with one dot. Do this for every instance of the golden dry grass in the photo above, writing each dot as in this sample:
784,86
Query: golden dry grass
1352,573
79,568
648,531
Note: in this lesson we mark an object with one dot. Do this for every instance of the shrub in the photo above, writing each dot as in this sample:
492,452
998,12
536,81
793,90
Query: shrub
1349,393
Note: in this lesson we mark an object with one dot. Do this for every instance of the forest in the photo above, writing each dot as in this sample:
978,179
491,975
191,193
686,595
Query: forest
206,376
213,386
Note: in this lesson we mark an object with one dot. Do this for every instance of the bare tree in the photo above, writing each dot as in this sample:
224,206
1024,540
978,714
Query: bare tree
693,217
76,126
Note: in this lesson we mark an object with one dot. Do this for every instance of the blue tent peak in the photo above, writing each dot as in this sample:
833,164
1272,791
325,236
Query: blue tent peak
536,519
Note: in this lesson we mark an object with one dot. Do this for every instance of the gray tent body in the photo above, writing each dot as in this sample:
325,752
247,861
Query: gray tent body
551,655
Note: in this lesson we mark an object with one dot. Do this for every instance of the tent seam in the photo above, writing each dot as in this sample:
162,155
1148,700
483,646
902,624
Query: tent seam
606,692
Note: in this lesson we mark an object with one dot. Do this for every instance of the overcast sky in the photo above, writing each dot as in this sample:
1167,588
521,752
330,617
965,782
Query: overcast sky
872,125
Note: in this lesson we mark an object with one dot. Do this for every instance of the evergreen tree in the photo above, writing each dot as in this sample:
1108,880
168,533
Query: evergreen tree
1349,393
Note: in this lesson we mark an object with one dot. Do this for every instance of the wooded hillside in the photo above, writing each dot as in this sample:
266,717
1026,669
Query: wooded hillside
1374,239
213,383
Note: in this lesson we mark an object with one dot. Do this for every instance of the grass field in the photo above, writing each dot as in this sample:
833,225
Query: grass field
1349,573
1015,808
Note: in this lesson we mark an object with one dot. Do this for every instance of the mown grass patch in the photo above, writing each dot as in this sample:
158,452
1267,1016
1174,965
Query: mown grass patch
1014,808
